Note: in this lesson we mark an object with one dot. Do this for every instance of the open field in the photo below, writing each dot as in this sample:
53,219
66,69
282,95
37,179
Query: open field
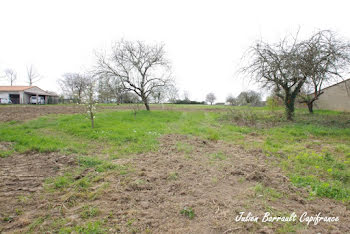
27,112
179,169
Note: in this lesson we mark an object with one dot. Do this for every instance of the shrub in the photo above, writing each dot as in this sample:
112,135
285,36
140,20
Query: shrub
272,103
185,101
244,117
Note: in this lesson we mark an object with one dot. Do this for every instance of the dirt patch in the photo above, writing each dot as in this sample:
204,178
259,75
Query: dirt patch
213,181
27,112
4,146
21,178
217,181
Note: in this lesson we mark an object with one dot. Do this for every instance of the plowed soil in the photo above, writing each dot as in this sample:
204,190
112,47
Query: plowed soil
22,176
27,112
217,180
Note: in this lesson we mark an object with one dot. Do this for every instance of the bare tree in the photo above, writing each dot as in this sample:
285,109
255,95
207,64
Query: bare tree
81,83
134,103
159,94
67,84
32,75
210,98
10,75
250,97
110,89
325,58
116,88
172,93
73,85
231,100
104,94
89,97
186,95
165,93
278,66
140,67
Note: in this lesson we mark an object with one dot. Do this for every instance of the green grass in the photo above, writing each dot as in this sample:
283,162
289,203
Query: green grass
89,227
117,132
314,150
188,212
5,153
266,192
89,212
36,223
100,165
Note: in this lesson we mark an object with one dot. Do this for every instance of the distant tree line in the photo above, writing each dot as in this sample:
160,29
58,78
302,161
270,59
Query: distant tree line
246,98
185,101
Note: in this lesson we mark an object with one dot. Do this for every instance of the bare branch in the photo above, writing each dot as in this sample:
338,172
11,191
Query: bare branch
10,75
140,68
32,75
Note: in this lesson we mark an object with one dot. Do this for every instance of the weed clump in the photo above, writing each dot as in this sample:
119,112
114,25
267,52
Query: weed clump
89,212
188,212
252,118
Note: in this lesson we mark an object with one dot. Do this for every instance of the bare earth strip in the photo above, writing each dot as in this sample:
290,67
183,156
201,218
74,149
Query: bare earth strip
217,180
27,112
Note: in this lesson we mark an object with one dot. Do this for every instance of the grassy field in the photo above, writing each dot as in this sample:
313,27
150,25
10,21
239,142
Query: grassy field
313,151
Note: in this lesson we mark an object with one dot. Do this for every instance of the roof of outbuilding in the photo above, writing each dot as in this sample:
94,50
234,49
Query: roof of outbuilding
15,88
27,89
347,80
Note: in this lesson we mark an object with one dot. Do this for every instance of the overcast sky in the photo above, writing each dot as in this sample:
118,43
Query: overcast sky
205,40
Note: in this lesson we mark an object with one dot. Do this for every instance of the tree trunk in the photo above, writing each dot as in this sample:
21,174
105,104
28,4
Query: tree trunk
92,119
289,103
145,101
92,123
147,105
310,105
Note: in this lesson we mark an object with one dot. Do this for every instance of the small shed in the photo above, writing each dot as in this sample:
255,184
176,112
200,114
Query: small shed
22,94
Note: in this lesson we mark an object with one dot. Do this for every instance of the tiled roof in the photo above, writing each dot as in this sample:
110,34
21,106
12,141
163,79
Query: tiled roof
15,88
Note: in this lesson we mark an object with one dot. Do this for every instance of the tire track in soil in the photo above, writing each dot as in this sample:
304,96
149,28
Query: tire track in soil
22,176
